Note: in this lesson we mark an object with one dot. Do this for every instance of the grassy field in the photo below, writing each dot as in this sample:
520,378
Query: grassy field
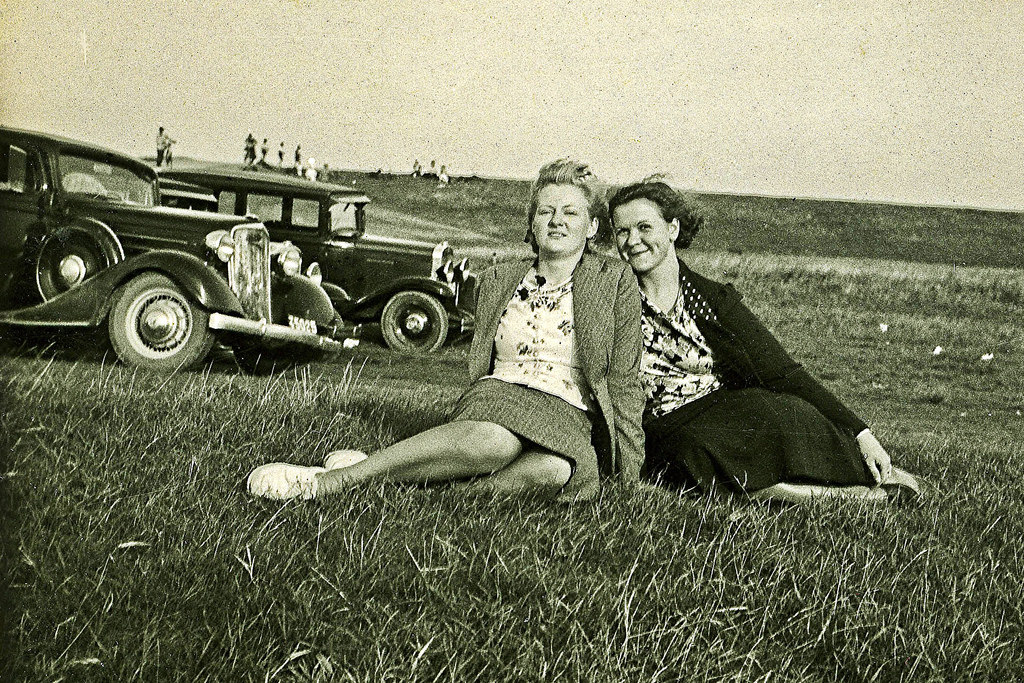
495,209
131,551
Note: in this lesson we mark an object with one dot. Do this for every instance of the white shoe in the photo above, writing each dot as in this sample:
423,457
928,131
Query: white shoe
902,484
337,459
281,481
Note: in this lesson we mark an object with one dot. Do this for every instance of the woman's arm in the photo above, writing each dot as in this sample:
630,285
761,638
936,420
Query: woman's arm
758,355
624,386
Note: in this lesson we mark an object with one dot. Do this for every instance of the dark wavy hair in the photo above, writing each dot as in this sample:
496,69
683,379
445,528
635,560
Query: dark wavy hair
566,172
671,203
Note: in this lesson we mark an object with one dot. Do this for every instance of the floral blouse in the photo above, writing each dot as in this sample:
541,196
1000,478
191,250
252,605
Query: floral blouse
677,365
535,344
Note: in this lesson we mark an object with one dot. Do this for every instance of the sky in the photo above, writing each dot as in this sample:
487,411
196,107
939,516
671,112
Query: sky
910,102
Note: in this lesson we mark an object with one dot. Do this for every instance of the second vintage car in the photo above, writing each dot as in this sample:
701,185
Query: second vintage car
417,291
84,242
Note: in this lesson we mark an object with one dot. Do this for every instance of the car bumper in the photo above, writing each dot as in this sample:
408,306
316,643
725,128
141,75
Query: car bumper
265,330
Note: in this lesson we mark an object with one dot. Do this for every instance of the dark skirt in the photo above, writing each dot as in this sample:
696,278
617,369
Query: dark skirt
540,419
749,439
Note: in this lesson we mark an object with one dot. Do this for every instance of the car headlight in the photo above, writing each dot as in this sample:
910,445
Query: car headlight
314,273
220,242
442,252
290,259
462,271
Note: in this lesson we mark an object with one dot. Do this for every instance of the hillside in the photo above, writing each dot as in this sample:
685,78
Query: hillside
495,209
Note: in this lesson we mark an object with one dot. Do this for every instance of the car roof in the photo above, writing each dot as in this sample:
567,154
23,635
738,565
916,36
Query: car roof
180,187
58,142
269,182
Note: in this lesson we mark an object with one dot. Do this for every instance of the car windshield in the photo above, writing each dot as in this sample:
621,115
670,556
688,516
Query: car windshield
101,179
343,218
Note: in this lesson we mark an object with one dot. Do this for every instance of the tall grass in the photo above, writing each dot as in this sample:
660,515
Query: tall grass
131,551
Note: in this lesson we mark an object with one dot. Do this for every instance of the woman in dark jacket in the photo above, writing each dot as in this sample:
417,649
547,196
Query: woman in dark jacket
726,405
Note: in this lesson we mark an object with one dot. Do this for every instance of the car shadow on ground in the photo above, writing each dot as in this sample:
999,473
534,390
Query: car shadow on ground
93,346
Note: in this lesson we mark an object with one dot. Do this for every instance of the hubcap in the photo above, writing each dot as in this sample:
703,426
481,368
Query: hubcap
72,269
163,323
415,323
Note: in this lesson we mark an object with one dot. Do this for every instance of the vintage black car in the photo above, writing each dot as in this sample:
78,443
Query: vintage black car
417,290
83,241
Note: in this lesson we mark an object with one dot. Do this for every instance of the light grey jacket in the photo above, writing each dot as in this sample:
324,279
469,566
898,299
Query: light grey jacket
606,312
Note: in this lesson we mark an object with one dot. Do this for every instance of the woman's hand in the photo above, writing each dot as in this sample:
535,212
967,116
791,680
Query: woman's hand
876,457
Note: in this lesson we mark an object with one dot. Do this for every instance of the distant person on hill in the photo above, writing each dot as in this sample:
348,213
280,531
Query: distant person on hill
280,155
169,151
161,146
727,408
417,170
442,177
432,171
555,401
250,150
298,159
264,150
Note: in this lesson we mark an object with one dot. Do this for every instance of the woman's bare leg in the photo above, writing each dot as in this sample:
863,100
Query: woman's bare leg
536,472
802,493
457,450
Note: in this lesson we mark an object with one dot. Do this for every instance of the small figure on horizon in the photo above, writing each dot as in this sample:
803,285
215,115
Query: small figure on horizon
442,177
417,169
280,154
250,150
311,169
432,171
298,159
264,150
168,151
163,142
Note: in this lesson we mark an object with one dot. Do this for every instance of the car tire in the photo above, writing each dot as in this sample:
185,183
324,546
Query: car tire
68,258
414,322
153,324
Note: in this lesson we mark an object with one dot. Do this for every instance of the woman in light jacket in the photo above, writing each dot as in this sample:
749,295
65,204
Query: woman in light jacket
555,402
727,407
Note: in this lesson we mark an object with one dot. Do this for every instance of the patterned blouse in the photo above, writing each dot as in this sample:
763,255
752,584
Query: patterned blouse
677,366
535,344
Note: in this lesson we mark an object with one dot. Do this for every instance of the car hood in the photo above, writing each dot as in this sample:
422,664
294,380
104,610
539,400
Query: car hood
398,243
131,214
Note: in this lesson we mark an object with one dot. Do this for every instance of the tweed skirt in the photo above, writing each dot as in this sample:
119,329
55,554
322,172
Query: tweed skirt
542,420
749,439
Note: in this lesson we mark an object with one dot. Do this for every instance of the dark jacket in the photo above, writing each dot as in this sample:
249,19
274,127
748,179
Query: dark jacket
606,319
747,355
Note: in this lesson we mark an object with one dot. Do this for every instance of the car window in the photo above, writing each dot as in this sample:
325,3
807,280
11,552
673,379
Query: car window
305,213
17,171
226,203
343,218
104,179
266,207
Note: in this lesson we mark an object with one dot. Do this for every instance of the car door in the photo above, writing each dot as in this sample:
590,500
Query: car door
21,213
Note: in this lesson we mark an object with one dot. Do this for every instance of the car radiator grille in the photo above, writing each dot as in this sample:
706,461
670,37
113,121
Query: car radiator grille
249,270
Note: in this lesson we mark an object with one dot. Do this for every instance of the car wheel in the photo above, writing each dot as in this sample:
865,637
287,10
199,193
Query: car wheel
67,259
153,324
414,321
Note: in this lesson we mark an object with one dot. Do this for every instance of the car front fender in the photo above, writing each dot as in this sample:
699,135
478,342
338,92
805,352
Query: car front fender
87,304
369,307
300,297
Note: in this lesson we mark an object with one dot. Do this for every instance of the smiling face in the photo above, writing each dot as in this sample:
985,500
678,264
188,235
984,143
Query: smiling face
644,238
562,224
